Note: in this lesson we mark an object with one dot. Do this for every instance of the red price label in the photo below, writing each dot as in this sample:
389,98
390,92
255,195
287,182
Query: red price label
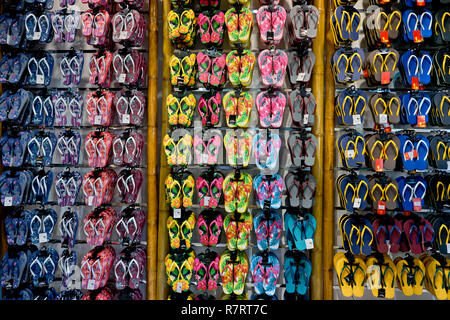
366,73
417,204
415,83
420,3
384,36
411,154
387,128
385,77
417,36
381,207
379,165
421,121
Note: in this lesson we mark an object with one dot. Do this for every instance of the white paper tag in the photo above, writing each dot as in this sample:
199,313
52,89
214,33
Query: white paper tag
8,201
123,35
98,119
301,76
177,213
43,237
448,247
37,35
309,244
126,119
91,285
448,165
90,200
122,77
383,118
356,119
74,284
40,79
350,153
357,203
204,158
306,119
206,201
179,287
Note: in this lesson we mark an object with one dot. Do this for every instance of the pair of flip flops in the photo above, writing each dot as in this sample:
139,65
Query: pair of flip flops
410,275
237,106
266,148
380,66
209,225
178,153
300,66
416,68
441,227
439,195
265,268
303,21
129,27
356,234
96,27
439,151
128,148
211,69
181,230
180,109
180,190
417,25
239,24
130,225
233,268
351,274
42,110
206,267
412,192
297,272
437,275
179,269
414,151
130,67
100,71
240,65
345,25
270,106
271,20
381,276
347,64
349,106
183,69
209,107
16,187
268,190
13,146
388,231
98,147
182,25
268,226
64,26
238,147
207,148
68,108
209,187
12,28
383,150
17,227
381,27
212,27
351,148
39,27
67,187
42,266
300,230
237,227
98,225
14,267
302,148
272,65
385,108
302,105
17,107
41,224
68,228
98,187
301,188
236,189
417,234
441,34
384,192
353,191
440,111
442,74
129,183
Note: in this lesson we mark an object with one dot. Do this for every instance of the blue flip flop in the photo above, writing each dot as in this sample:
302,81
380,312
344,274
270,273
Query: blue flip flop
426,23
426,65
366,231
304,275
352,232
422,145
290,270
272,274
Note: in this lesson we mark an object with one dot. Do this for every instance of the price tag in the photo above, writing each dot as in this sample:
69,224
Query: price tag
177,213
123,35
379,165
37,35
448,165
366,73
357,203
383,118
40,79
385,77
384,36
122,77
204,158
74,284
179,287
411,154
43,237
8,201
356,119
420,3
306,119
417,204
350,154
421,121
98,119
301,76
387,128
126,119
381,207
448,247
309,244
417,36
206,201
91,285
90,200
415,83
